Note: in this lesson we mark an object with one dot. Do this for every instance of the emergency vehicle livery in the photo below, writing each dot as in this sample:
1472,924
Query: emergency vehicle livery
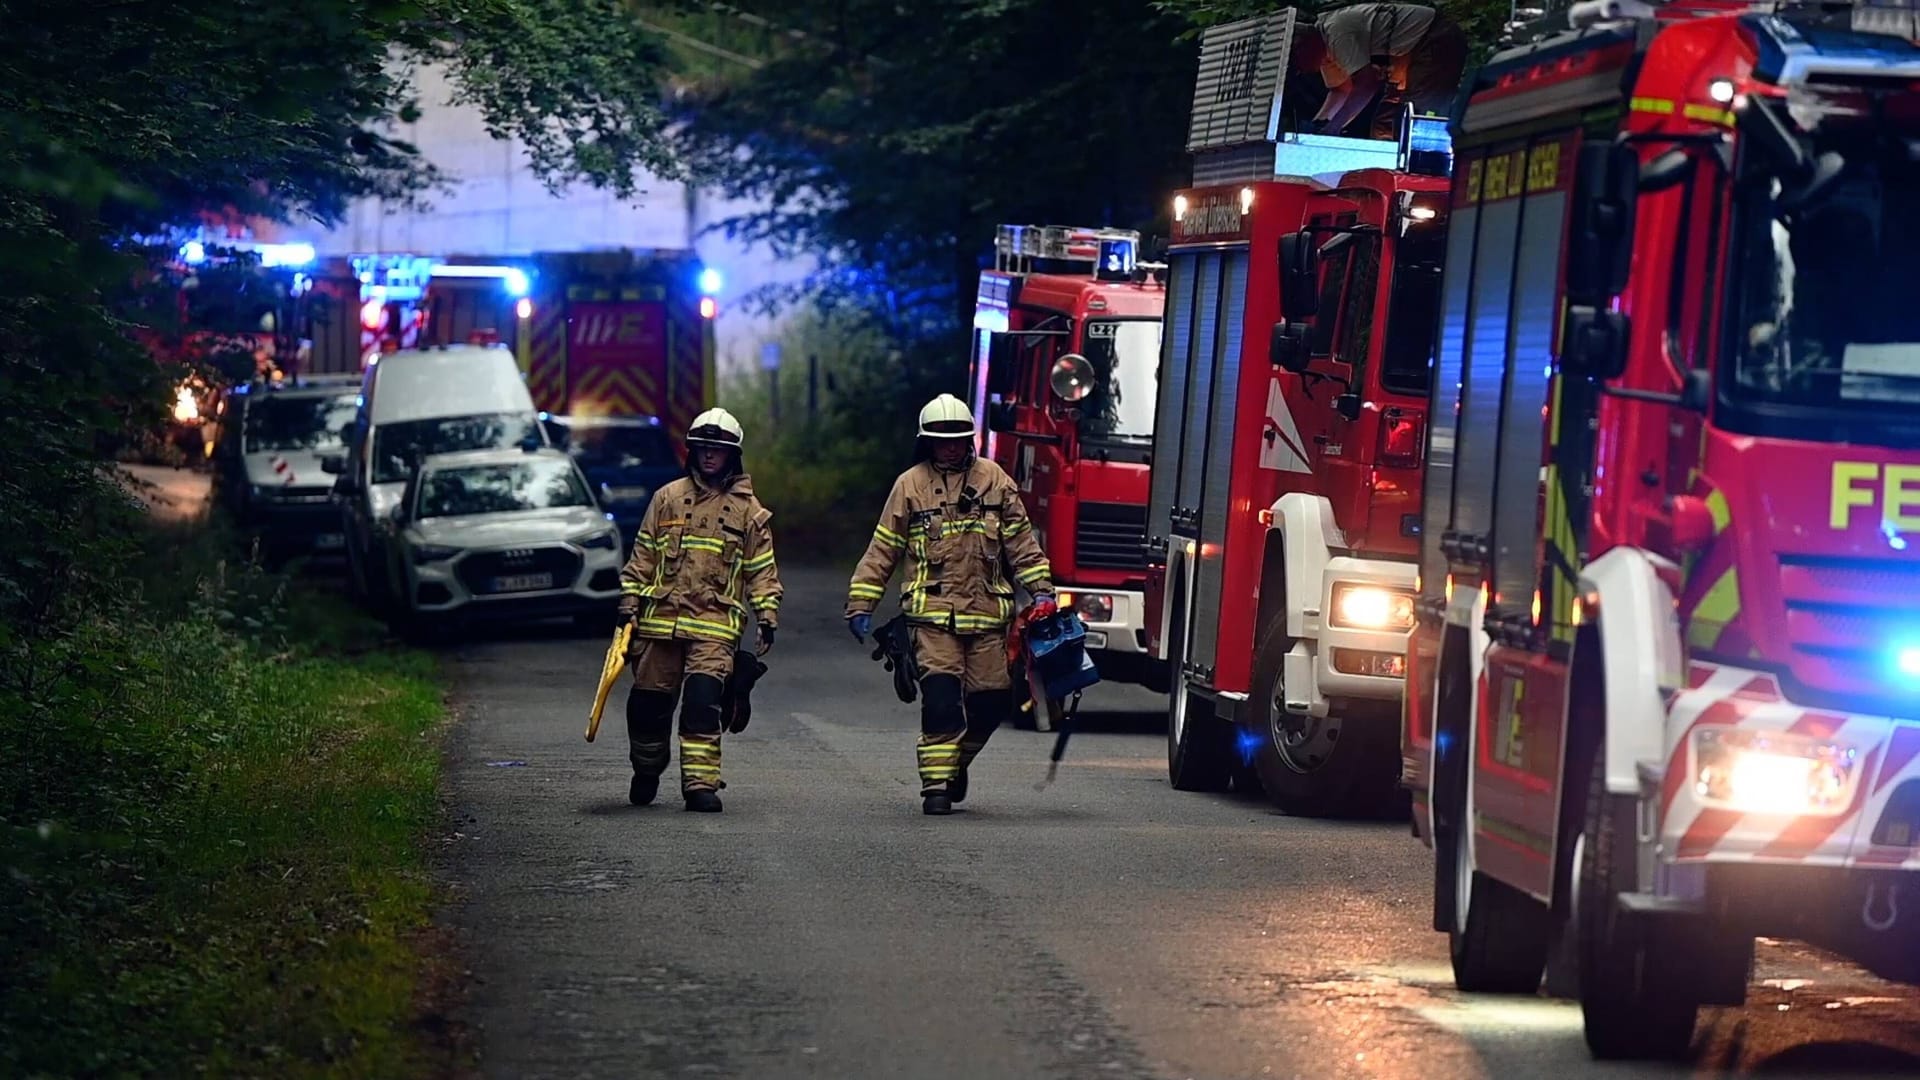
1284,520
613,333
1664,695
1067,339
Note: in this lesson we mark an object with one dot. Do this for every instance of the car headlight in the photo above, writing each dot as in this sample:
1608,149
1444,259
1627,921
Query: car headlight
607,539
1772,772
1370,607
432,553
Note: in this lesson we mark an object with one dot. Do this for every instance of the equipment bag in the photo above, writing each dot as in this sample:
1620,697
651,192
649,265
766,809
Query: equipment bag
1057,651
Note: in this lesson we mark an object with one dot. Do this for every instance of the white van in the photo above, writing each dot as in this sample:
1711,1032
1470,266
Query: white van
413,404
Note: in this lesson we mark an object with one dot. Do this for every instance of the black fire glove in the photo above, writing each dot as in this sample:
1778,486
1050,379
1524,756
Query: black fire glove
629,608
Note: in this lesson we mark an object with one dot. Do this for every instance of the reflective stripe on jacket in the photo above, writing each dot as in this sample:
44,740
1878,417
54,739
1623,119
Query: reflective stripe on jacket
966,537
702,559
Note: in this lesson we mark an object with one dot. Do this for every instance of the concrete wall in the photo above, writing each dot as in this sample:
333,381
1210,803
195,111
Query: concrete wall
497,207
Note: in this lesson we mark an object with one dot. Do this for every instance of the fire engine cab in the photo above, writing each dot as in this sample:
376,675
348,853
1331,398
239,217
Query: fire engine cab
1664,696
1303,287
1067,338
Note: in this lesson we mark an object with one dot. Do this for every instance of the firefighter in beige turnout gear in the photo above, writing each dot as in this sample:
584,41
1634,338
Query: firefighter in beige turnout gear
703,560
959,522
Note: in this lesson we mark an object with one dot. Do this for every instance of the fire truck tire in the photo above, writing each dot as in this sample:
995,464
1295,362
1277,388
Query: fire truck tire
1501,936
1344,765
1633,1007
1199,745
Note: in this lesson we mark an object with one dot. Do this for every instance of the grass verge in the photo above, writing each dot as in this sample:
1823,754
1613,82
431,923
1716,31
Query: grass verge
215,804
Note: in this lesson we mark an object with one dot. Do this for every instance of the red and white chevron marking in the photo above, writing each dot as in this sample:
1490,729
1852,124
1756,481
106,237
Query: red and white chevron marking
283,469
1693,832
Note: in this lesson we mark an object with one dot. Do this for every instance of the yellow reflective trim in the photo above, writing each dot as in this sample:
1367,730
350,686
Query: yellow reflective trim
759,562
1657,106
765,603
1722,513
1033,573
1015,528
710,544
888,537
632,588
866,592
1712,114
1716,610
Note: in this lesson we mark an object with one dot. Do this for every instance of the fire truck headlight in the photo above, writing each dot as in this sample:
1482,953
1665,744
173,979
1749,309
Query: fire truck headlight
1179,207
1371,607
1721,90
1906,661
1091,607
1770,772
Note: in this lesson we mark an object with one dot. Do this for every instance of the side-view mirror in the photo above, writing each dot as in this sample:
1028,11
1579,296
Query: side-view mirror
1348,406
1600,249
398,515
1299,276
1594,345
1287,348
1072,378
1696,390
333,464
1002,364
1666,170
1000,416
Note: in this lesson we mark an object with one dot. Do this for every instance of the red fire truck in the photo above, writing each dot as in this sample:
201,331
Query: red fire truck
1067,337
1286,520
1664,695
599,334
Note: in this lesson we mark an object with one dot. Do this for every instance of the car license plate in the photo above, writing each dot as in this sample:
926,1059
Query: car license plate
330,541
523,582
1096,639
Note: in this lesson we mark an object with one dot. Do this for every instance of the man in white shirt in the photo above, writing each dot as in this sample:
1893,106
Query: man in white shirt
1401,52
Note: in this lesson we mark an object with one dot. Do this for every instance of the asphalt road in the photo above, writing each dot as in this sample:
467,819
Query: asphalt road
1105,927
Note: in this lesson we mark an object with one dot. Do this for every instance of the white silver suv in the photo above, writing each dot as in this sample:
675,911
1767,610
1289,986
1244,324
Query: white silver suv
503,534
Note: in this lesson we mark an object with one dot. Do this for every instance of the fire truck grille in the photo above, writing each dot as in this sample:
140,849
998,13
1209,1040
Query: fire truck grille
483,572
1842,616
1111,536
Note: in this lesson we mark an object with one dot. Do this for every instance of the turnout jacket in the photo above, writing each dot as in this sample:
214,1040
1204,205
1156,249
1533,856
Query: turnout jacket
702,559
960,532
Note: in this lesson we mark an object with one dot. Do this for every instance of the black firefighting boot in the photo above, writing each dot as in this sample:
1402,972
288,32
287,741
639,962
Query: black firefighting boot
943,720
649,721
986,711
700,743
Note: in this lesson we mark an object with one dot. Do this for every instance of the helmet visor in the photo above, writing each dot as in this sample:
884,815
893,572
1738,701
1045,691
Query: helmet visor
947,429
713,435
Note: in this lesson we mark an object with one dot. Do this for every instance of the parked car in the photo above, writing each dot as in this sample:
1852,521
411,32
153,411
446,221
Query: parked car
502,534
267,470
415,403
625,459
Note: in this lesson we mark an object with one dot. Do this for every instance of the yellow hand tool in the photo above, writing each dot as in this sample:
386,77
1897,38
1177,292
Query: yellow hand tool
610,670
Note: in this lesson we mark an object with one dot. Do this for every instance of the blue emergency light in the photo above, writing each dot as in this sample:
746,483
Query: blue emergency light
1117,257
711,281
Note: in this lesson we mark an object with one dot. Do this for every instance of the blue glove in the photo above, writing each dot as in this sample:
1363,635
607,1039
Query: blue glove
861,625
1043,598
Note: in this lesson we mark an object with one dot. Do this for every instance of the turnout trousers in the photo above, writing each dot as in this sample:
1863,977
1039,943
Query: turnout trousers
965,694
692,672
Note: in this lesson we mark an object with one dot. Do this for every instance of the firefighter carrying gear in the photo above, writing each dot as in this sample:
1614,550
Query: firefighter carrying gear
893,647
702,559
959,530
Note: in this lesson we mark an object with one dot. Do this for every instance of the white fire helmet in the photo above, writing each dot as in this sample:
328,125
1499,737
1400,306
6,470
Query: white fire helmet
715,427
946,417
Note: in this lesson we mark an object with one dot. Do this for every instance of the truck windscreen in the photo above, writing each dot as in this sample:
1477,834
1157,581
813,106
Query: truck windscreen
1126,357
1823,321
1413,310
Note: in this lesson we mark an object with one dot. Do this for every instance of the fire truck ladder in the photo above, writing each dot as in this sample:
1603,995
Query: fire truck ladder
1018,248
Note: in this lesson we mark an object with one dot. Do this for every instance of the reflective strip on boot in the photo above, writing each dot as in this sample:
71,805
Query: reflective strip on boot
939,761
699,763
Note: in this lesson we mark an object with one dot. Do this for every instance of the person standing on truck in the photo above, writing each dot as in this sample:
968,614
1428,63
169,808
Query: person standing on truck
959,520
702,559
1401,52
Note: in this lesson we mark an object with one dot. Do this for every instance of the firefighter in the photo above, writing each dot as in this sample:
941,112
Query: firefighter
1401,52
702,559
960,524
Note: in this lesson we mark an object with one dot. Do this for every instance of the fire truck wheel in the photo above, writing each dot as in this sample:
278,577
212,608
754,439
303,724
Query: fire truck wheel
1634,1007
1500,936
1199,745
1345,764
